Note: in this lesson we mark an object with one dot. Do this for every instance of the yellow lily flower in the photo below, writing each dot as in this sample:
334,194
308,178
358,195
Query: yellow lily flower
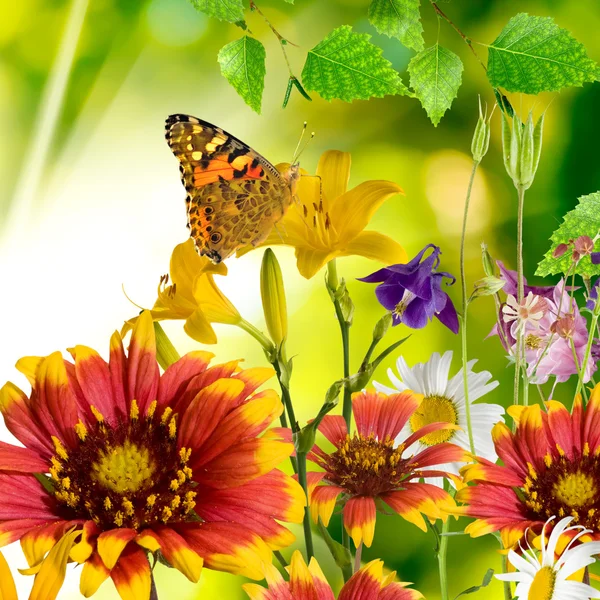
8,591
328,221
193,295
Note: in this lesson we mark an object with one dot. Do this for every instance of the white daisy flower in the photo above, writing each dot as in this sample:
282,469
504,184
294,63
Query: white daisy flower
540,576
444,401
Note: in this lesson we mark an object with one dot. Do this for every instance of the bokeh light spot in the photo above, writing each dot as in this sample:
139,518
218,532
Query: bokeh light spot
175,23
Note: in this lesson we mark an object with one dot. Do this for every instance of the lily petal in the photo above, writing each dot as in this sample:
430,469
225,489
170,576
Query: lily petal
352,211
311,260
334,171
376,246
8,591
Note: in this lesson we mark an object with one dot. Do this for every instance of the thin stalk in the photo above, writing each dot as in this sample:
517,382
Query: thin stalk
521,286
153,590
465,307
333,284
517,366
306,522
579,369
280,558
465,38
442,560
525,375
588,350
287,399
541,393
358,557
257,334
283,42
507,591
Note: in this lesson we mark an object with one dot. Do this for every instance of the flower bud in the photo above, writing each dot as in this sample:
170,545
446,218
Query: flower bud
522,147
382,326
488,261
487,286
273,297
584,245
481,137
560,250
166,354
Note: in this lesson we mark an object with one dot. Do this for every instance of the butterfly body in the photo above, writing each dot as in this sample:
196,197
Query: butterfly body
234,195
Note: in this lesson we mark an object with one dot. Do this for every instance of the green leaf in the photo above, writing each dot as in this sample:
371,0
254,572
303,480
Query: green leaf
231,11
243,65
435,75
584,219
346,66
487,578
533,55
400,19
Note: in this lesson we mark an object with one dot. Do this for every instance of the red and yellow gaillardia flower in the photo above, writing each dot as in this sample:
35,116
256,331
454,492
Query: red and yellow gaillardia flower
373,464
551,469
309,583
120,461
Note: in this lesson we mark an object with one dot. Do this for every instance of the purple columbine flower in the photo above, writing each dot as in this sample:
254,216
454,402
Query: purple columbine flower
413,293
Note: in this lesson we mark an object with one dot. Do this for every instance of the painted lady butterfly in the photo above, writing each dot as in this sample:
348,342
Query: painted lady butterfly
234,195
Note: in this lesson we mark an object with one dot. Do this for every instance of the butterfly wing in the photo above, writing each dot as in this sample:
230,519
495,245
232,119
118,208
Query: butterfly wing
234,195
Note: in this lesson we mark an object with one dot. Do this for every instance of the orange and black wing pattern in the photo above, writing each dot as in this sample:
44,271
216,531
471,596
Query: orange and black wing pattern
234,195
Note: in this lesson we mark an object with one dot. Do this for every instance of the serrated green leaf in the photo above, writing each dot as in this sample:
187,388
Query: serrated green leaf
533,55
243,65
346,66
435,75
231,11
584,219
400,19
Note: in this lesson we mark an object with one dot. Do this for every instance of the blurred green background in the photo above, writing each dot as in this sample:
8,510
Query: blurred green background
90,198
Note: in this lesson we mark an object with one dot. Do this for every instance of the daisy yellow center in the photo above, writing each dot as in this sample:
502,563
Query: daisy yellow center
435,409
575,489
132,474
565,487
367,466
542,586
125,468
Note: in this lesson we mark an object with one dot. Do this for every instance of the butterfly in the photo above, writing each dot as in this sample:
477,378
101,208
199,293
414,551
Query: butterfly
234,195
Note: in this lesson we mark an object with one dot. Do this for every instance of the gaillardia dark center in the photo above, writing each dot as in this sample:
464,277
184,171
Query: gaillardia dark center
367,466
566,488
132,475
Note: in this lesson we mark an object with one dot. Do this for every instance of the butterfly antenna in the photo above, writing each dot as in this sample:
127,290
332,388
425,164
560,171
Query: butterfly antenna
312,135
295,156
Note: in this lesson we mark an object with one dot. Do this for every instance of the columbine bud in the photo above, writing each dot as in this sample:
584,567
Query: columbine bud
584,245
382,326
487,286
166,354
273,297
560,250
522,147
481,137
564,327
488,261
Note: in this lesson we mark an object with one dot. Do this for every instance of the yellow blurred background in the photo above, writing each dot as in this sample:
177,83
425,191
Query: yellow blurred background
91,202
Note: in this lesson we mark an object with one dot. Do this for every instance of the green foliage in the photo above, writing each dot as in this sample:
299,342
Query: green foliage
435,75
533,55
584,219
400,19
231,11
346,66
487,578
243,65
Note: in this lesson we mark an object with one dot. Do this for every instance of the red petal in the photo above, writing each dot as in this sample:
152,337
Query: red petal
13,458
359,519
112,543
365,584
131,574
117,365
23,497
333,427
178,376
142,369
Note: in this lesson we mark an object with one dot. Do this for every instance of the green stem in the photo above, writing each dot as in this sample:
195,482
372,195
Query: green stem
287,399
525,375
333,283
521,287
465,306
258,335
442,560
306,522
588,349
579,369
153,590
507,592
358,557
280,558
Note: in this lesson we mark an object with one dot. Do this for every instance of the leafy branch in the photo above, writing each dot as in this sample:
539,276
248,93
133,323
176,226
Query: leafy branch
530,55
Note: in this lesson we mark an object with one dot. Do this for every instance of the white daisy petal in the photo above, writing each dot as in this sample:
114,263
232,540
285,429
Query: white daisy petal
545,575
